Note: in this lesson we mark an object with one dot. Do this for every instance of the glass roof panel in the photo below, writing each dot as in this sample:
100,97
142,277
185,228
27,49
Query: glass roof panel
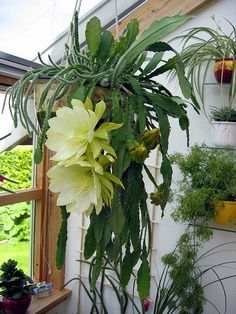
28,27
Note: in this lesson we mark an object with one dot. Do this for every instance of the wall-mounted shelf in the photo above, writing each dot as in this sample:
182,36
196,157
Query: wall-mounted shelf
220,148
215,83
225,228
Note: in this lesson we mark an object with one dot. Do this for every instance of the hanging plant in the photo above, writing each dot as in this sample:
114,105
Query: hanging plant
115,114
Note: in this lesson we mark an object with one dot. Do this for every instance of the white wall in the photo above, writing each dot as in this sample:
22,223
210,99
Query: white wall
166,232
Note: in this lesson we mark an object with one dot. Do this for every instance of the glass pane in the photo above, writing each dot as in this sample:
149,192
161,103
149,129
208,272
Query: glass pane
16,165
15,234
36,24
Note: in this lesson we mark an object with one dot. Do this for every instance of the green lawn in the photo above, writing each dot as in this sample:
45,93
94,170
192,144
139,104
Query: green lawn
18,251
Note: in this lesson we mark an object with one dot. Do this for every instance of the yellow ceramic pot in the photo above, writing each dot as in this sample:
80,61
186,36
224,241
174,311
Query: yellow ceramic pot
226,213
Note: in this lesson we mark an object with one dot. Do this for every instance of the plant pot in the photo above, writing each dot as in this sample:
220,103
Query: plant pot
20,306
223,133
223,70
100,93
226,213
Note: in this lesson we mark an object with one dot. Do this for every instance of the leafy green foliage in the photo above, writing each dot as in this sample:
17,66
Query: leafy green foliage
15,219
150,36
223,114
15,222
208,176
13,282
16,164
180,286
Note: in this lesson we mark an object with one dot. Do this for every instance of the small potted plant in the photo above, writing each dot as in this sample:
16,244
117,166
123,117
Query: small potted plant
223,126
207,190
16,288
204,47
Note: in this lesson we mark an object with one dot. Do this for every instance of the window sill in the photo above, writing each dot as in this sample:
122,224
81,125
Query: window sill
42,305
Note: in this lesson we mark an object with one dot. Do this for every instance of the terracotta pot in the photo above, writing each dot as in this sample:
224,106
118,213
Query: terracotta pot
20,306
226,213
223,70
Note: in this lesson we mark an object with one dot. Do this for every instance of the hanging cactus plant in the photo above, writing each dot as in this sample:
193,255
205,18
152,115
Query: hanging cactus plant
115,113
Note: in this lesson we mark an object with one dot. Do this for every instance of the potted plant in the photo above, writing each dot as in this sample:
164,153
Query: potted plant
16,288
113,114
223,126
204,47
207,186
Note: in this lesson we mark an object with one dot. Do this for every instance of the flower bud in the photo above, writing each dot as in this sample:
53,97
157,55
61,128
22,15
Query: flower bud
106,160
146,304
156,197
139,153
151,138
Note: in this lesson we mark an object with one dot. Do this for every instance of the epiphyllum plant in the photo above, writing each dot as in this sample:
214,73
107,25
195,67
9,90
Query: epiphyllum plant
110,146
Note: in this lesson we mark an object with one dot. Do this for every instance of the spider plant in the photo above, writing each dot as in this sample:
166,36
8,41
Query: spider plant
223,114
201,47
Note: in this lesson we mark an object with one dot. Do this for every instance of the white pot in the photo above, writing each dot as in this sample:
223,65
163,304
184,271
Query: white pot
223,133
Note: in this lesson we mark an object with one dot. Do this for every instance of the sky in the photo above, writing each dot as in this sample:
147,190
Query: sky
29,26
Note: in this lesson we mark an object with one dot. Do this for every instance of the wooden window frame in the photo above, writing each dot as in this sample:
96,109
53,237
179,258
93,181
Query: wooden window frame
47,223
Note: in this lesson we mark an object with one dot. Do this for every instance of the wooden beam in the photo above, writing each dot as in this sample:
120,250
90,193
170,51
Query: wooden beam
41,267
155,9
20,196
6,80
47,225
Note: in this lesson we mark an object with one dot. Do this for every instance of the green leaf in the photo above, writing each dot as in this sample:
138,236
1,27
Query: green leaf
143,280
136,255
179,66
170,107
184,122
96,268
38,155
126,269
62,238
78,93
183,82
138,103
154,33
106,237
132,32
116,217
90,242
93,35
117,114
105,46
164,129
152,64
99,222
166,171
134,189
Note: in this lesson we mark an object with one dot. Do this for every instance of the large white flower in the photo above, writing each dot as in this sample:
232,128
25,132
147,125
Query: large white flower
82,184
74,130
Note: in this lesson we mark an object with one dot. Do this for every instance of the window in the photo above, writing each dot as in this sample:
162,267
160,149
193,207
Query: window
45,216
